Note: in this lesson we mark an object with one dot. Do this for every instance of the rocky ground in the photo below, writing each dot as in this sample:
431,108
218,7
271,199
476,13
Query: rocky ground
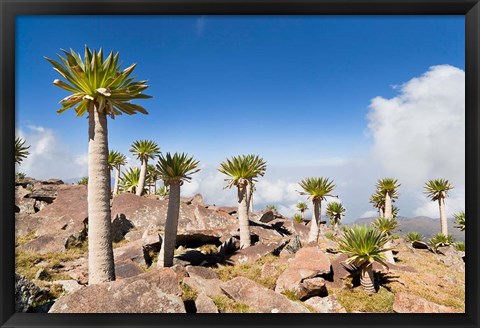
280,273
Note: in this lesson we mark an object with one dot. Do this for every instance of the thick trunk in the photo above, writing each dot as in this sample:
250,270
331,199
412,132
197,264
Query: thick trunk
380,212
243,217
389,254
117,180
443,216
100,252
303,216
366,278
388,206
155,187
249,198
315,225
165,258
141,180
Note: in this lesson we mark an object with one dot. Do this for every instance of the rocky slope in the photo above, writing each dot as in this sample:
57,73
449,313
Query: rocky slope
279,273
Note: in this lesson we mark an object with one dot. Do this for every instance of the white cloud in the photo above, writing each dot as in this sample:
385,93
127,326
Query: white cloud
420,134
369,214
453,204
49,157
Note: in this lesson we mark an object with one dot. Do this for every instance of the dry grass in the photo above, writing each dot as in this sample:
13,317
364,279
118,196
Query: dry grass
25,263
227,305
121,243
252,271
22,240
428,282
356,299
188,294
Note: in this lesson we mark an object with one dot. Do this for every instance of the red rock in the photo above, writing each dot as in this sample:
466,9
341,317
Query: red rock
327,304
253,253
259,298
156,291
204,304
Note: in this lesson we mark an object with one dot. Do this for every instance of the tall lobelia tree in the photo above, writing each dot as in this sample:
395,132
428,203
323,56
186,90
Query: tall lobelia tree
302,207
437,190
115,161
152,178
243,170
317,189
335,211
174,171
388,188
378,202
259,166
144,150
21,151
129,180
460,220
99,88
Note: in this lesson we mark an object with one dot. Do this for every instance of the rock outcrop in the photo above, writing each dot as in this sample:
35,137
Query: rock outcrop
156,291
407,303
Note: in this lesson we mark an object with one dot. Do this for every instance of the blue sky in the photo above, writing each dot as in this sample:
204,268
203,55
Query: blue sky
295,90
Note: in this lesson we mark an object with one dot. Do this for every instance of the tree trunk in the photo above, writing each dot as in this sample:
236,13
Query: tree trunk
366,278
315,225
380,212
117,181
101,266
389,254
303,215
243,217
141,180
167,252
155,187
388,206
249,195
443,216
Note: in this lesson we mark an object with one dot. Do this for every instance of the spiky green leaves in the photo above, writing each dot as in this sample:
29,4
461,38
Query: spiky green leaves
302,206
91,80
335,211
317,188
437,188
163,191
129,180
460,220
440,240
21,151
116,159
145,149
378,200
297,218
242,169
388,185
363,245
386,225
176,167
414,236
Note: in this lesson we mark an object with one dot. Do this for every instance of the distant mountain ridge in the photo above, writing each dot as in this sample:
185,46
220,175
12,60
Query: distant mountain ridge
422,224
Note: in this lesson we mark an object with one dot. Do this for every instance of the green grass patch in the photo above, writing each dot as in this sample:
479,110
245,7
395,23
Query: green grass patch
356,299
188,294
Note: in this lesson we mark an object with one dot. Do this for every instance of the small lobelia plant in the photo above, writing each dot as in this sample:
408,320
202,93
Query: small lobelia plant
460,220
297,218
414,236
440,240
364,246
387,226
459,246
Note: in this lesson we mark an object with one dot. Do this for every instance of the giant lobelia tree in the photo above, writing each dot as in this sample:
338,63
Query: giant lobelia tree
317,189
388,187
115,161
437,190
101,89
241,171
144,150
21,151
174,171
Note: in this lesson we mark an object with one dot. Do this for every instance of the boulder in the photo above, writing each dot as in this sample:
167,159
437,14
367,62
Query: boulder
264,233
407,303
327,304
132,251
143,212
204,304
231,210
340,270
202,272
26,294
288,228
25,223
308,263
265,216
210,287
420,245
253,253
69,286
63,223
259,298
452,258
127,269
156,291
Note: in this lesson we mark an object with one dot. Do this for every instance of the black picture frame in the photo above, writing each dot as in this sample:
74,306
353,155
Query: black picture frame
9,9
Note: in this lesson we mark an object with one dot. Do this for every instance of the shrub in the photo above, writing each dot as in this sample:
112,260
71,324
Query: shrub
297,218
440,240
459,246
414,236
329,235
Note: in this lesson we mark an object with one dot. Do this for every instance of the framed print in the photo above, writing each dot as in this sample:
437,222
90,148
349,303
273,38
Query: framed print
242,163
